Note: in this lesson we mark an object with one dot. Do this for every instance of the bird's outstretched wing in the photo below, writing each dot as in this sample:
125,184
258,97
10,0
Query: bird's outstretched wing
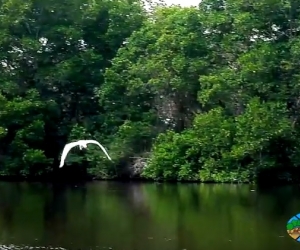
66,150
103,149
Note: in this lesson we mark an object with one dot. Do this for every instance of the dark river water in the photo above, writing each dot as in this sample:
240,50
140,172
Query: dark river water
135,216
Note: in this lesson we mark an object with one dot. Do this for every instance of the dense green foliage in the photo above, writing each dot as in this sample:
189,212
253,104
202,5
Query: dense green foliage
204,94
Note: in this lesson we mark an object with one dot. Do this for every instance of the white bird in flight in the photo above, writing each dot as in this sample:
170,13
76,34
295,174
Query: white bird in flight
81,144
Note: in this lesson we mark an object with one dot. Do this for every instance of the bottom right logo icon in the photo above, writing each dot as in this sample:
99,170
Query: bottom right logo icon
293,227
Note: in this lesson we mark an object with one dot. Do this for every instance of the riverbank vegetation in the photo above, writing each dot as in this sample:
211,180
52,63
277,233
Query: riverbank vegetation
197,94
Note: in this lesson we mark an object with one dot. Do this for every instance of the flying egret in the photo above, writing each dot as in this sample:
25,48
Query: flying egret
81,144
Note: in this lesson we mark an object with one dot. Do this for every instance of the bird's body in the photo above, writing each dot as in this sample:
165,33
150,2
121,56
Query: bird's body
81,144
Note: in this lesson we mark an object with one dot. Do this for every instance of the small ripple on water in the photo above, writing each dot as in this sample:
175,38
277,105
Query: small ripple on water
23,247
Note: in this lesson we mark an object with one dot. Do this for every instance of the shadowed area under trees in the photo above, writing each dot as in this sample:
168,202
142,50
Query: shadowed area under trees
187,94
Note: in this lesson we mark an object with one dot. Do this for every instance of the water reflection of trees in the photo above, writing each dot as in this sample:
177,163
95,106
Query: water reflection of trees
177,216
55,213
9,200
229,211
274,204
138,200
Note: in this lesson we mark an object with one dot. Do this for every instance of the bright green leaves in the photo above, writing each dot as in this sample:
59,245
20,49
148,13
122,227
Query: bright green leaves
33,133
258,129
166,159
3,132
220,148
154,81
211,94
54,56
19,110
196,153
23,118
224,79
35,162
261,122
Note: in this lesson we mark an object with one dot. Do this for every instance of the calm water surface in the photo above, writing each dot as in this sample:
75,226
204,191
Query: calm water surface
122,216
